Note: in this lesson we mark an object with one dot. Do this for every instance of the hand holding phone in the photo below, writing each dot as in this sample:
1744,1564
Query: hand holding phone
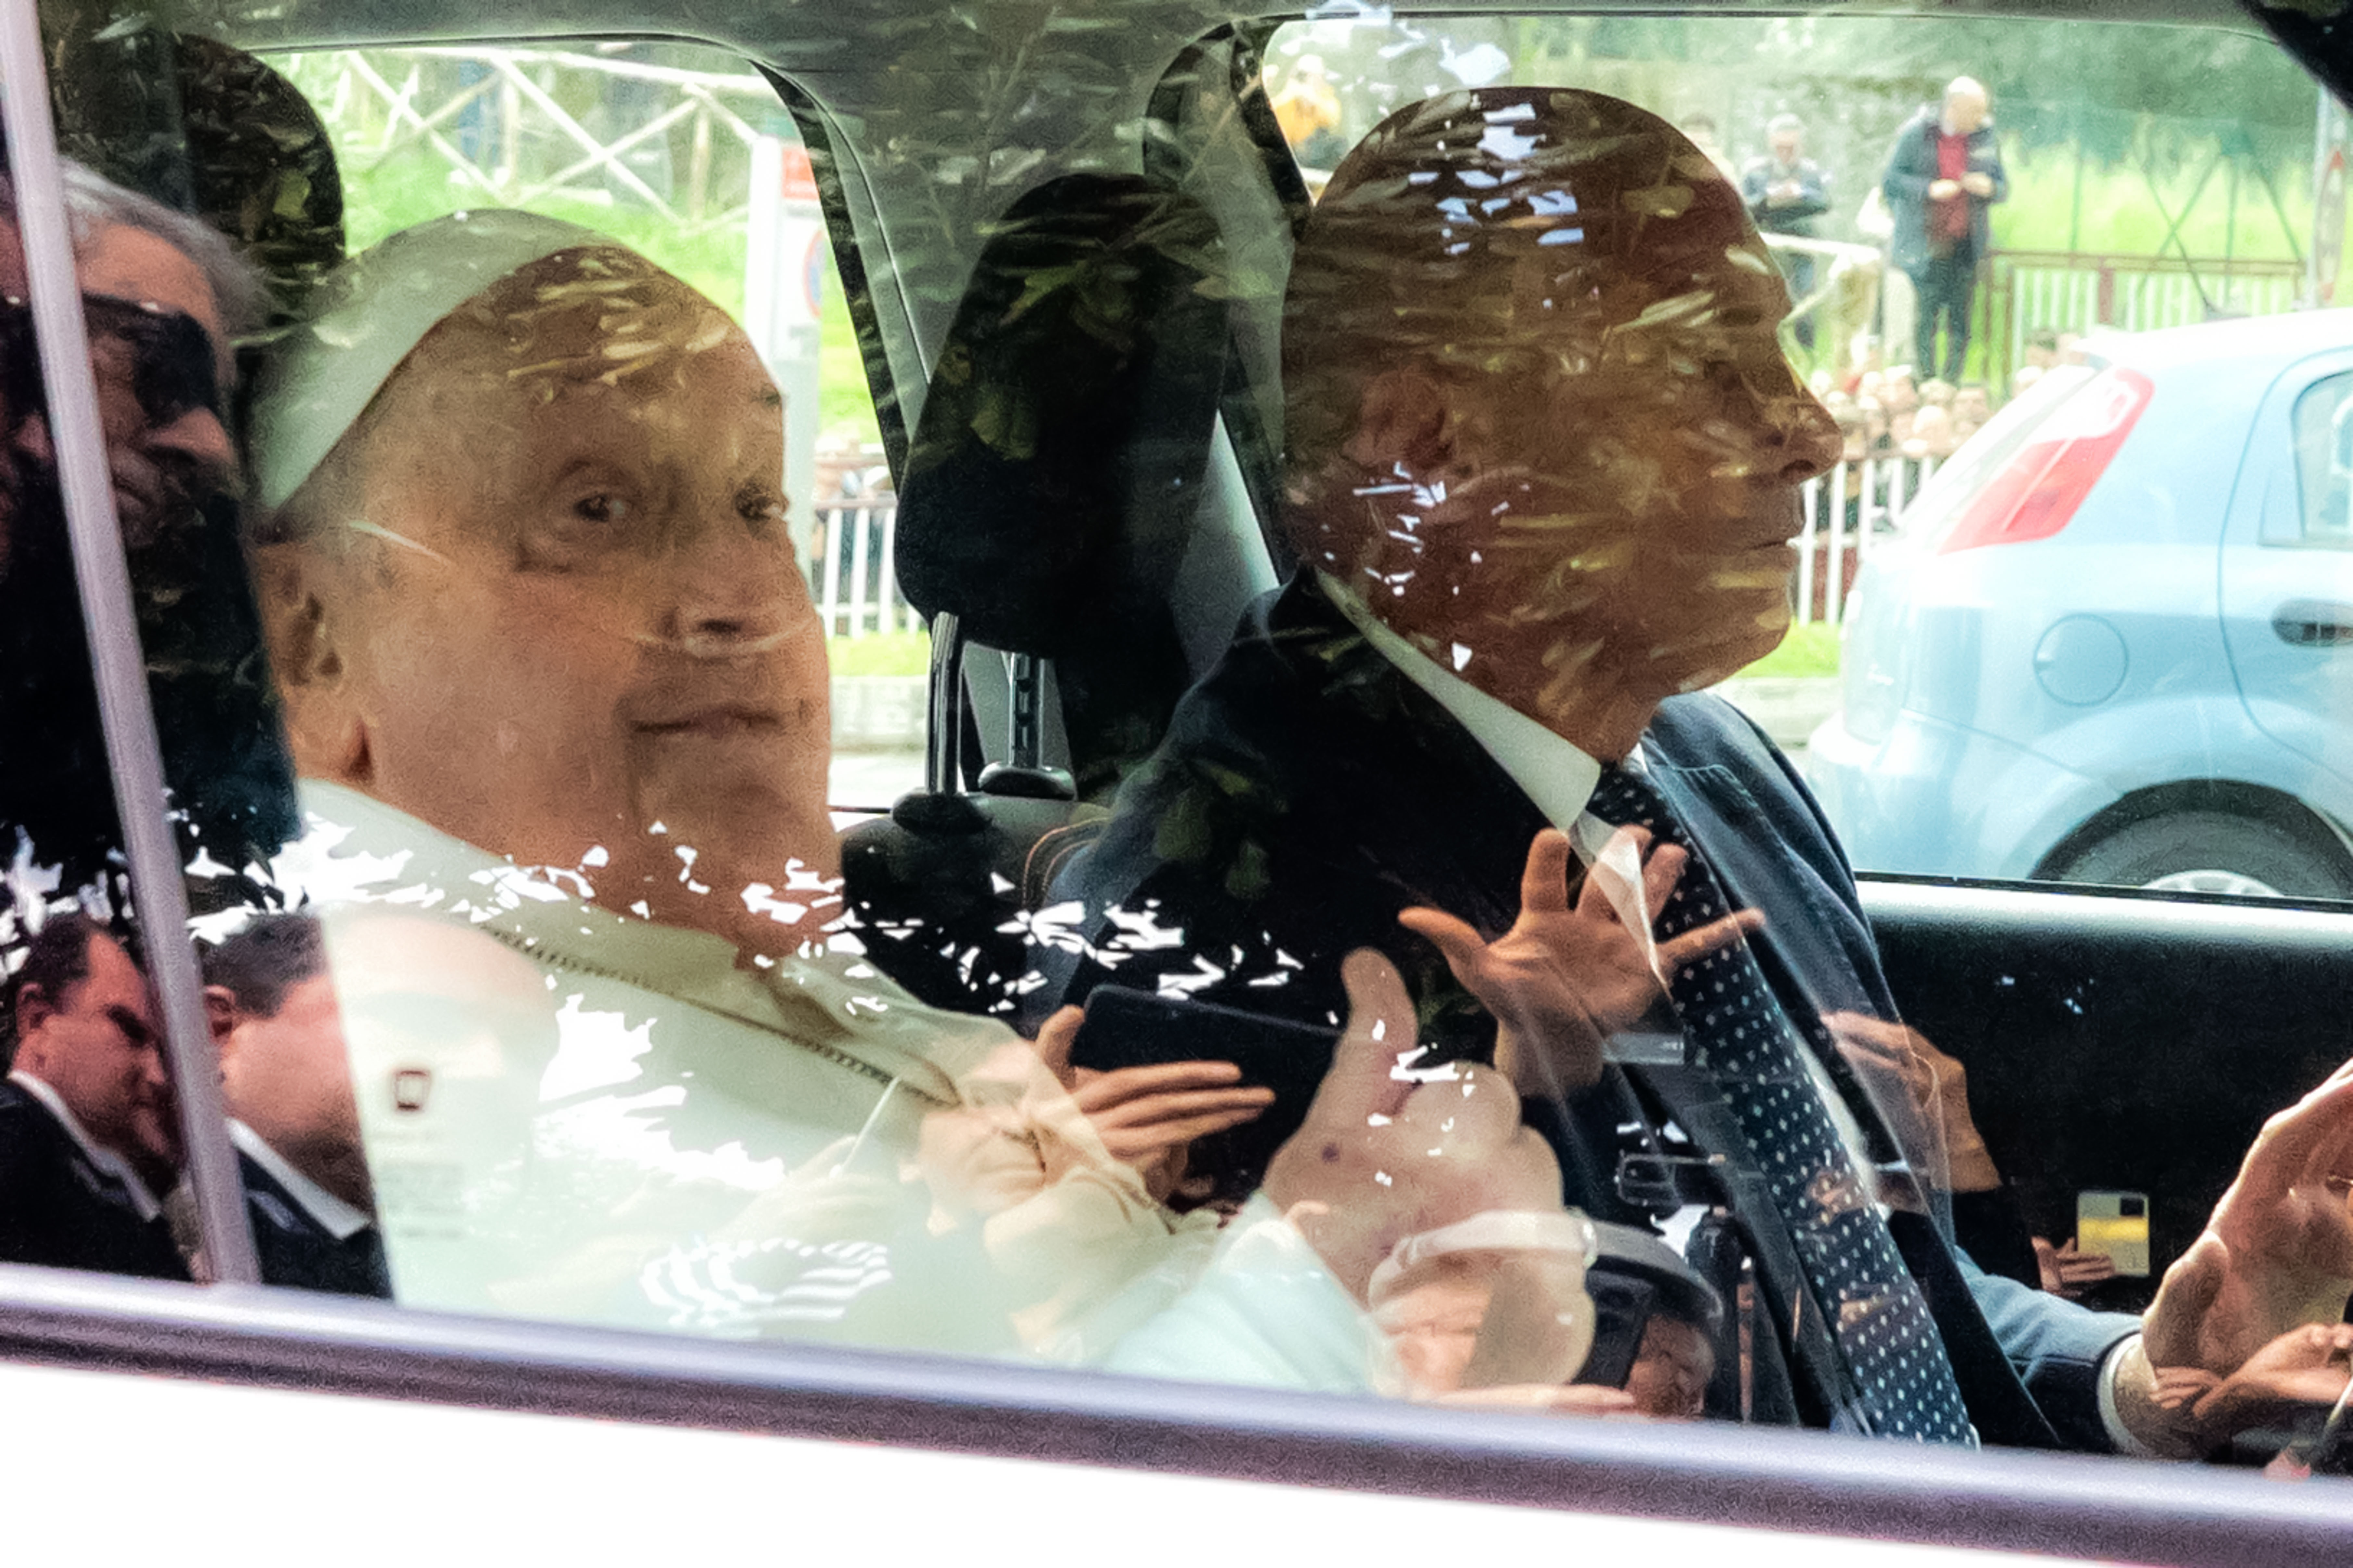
1128,1031
1149,1114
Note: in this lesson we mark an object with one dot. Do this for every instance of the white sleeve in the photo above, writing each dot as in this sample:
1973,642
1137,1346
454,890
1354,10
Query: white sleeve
2111,1416
1264,1312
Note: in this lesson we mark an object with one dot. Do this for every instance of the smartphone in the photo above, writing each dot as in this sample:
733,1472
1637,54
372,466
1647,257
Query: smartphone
2114,1226
1126,1027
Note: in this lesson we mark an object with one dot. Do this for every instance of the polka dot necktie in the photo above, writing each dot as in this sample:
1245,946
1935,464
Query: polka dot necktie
1736,1029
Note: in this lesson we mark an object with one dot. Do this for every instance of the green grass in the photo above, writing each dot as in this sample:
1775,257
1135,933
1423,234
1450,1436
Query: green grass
2120,213
892,652
1806,650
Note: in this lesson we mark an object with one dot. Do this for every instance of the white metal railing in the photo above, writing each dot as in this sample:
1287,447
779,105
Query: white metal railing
853,564
1875,491
853,569
2072,300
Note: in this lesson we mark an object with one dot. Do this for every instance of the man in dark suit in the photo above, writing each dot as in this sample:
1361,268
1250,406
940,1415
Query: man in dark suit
287,1085
88,1136
1541,457
1788,192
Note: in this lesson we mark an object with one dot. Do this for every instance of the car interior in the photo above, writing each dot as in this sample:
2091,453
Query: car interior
2057,1002
1061,236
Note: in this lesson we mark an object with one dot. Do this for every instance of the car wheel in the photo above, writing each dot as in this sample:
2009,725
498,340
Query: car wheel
2212,852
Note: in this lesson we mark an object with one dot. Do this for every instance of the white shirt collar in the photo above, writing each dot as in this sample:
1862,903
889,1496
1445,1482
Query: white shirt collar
105,1159
336,1217
1553,772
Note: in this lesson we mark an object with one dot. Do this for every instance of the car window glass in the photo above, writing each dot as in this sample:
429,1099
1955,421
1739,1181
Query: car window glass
2324,461
1928,483
1923,649
1476,1010
587,1038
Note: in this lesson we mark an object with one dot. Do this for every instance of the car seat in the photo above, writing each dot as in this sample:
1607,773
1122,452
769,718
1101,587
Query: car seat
1051,492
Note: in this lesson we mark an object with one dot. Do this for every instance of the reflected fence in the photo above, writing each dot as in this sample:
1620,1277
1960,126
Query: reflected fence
1845,511
852,559
852,563
607,124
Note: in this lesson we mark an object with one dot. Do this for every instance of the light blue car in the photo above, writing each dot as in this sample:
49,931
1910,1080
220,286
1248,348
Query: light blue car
2114,640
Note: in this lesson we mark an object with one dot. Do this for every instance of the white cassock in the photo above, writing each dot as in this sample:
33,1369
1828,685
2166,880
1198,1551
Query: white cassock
574,1114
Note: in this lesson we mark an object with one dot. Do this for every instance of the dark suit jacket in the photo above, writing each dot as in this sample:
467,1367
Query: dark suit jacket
1912,169
295,1250
1308,792
57,1208
1795,218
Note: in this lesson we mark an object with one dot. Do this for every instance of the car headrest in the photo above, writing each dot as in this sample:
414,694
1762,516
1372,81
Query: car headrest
1062,442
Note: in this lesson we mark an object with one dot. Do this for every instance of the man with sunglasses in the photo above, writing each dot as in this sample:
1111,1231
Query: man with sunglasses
163,296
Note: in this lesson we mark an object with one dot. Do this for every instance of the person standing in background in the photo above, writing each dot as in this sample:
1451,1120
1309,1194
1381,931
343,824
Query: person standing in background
1308,110
1787,192
1943,176
287,1089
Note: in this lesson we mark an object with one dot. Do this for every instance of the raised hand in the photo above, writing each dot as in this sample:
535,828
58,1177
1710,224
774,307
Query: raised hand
1566,976
2278,1252
1389,1149
1147,1117
2067,1272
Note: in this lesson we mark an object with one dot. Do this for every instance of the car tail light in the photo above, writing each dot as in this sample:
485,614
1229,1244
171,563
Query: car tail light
2038,491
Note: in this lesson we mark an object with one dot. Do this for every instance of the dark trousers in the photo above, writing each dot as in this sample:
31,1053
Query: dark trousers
1798,269
1945,286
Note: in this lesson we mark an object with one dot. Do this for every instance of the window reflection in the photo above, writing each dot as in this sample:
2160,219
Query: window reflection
89,1131
162,296
1541,441
287,1087
2324,461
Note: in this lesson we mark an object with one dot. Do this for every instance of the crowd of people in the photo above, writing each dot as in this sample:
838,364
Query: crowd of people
572,1021
1884,414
